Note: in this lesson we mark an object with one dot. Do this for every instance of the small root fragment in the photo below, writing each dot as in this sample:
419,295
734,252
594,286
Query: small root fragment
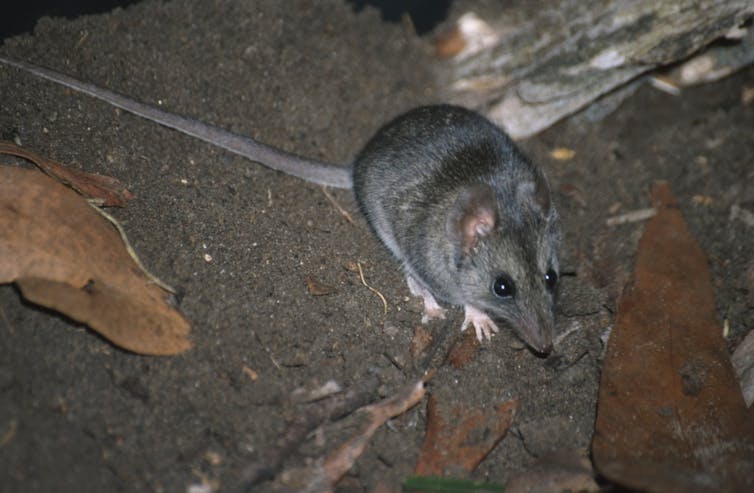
370,288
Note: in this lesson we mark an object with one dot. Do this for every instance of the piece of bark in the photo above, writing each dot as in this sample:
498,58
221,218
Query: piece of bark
743,363
716,61
549,60
670,415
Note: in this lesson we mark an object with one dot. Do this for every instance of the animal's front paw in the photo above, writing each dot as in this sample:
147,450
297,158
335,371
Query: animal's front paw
483,324
432,309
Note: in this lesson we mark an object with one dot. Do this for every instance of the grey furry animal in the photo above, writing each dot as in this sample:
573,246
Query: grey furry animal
467,216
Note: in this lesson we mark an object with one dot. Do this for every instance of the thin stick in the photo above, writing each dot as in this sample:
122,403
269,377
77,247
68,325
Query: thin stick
337,206
341,460
308,418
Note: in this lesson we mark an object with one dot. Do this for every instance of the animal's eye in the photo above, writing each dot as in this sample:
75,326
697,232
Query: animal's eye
503,287
551,279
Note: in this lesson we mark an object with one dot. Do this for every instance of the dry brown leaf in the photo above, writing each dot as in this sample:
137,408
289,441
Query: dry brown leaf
316,288
63,255
459,436
670,416
105,189
463,351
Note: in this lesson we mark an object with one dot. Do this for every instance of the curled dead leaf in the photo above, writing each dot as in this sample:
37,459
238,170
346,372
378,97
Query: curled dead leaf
105,190
63,255
316,288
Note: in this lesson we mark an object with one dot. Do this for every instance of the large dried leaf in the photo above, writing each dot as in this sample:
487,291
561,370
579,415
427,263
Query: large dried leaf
671,417
63,255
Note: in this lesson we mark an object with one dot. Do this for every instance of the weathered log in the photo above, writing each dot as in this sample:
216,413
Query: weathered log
536,64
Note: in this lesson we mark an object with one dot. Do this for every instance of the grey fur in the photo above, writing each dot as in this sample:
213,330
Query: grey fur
407,182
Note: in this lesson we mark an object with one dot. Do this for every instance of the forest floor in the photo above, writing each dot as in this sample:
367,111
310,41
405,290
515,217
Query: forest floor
239,240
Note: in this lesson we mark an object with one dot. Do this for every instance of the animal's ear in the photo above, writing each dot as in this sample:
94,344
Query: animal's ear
473,216
539,191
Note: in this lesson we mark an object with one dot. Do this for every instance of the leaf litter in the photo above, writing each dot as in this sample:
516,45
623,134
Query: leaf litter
671,417
62,254
103,190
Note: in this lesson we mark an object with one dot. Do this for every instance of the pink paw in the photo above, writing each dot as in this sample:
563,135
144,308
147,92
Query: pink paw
483,324
432,309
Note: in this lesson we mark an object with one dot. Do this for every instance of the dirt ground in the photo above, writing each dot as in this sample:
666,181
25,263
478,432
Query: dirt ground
315,78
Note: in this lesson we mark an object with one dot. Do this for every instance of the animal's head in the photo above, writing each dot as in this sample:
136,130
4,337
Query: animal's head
505,238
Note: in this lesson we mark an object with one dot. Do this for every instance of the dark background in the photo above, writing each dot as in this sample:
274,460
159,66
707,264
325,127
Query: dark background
24,14
425,14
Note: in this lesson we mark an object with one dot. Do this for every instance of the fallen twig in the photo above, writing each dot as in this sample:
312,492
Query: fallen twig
631,217
324,474
337,206
311,416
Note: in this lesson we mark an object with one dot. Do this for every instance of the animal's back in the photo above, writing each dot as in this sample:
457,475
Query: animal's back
409,174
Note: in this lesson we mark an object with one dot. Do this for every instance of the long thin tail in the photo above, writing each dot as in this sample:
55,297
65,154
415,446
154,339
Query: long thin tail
307,169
